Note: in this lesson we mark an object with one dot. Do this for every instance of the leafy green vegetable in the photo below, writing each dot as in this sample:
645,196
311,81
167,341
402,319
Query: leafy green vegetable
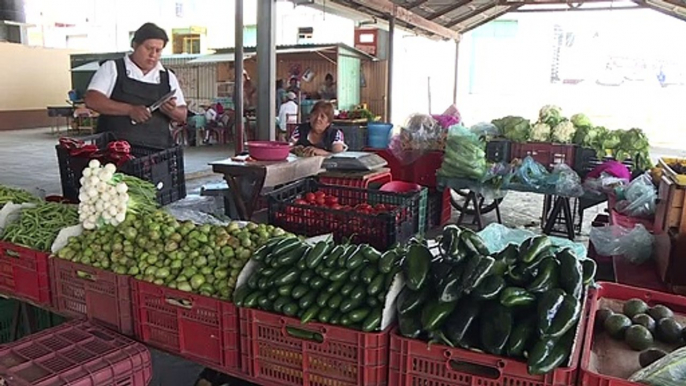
581,120
514,128
464,155
563,132
550,115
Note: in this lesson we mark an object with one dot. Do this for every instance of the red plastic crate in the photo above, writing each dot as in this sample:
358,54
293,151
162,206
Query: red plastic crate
588,377
200,328
629,222
75,354
102,296
360,183
344,357
421,171
24,273
415,362
545,153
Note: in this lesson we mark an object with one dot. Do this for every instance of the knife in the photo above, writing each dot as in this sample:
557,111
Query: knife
158,103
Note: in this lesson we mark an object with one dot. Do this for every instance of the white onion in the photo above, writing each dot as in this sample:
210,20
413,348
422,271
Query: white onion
92,192
122,187
111,168
121,217
94,164
113,211
86,172
93,181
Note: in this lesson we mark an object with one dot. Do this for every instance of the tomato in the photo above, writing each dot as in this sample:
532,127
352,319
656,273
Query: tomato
319,194
300,201
321,201
335,206
310,197
330,200
380,208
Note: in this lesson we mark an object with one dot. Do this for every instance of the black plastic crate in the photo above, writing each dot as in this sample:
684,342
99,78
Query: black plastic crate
355,135
162,167
381,230
498,150
586,160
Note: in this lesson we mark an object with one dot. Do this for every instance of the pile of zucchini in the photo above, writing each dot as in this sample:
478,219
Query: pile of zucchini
523,302
336,284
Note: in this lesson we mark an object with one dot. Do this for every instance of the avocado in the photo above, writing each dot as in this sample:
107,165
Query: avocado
634,307
647,357
644,320
600,316
660,312
616,325
638,337
668,330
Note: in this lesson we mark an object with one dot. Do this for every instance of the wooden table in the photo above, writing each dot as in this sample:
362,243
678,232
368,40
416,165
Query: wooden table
246,179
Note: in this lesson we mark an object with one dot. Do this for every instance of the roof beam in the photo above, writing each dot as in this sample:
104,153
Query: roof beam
471,14
416,4
387,7
608,8
661,10
491,18
448,9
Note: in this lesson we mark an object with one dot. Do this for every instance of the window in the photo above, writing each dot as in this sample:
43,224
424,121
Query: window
305,34
250,36
179,9
186,43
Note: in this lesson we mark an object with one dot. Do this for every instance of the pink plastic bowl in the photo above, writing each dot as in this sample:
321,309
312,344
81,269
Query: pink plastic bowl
400,187
268,150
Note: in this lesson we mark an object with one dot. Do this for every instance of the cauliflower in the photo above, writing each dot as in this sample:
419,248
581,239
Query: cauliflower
563,132
550,115
581,120
540,132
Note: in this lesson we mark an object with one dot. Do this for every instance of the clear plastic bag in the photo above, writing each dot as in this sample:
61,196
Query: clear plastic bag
199,209
532,174
604,184
635,244
421,133
567,182
485,129
639,198
465,155
498,236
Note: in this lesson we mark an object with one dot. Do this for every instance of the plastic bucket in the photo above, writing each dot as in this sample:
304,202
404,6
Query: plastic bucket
379,134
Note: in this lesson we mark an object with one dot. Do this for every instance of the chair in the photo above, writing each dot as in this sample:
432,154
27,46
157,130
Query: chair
180,133
291,125
85,119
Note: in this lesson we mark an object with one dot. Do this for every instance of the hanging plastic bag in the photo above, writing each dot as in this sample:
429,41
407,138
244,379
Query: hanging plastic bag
465,155
635,244
567,182
639,198
421,133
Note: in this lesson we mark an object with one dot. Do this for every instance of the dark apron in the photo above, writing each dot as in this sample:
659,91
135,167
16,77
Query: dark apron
152,133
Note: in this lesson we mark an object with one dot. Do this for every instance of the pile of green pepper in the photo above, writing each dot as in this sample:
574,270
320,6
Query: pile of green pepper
16,196
38,227
523,302
337,284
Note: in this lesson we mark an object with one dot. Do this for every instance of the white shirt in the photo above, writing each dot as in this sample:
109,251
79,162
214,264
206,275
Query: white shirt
287,109
105,78
210,115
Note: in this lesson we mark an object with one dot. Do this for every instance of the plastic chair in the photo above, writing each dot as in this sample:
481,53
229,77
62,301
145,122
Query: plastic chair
291,124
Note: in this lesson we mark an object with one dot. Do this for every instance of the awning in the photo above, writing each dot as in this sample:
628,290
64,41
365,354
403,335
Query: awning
218,58
88,67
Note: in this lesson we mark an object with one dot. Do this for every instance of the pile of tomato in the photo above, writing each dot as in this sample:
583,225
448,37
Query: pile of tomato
321,199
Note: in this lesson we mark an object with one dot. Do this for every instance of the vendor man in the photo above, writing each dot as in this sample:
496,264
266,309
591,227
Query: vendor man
123,89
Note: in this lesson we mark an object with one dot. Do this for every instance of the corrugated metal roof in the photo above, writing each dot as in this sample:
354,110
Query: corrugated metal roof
465,15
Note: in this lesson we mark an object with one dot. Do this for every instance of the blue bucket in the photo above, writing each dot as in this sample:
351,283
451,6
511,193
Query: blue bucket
379,134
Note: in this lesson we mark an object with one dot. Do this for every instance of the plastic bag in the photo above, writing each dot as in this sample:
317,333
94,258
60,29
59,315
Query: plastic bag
639,198
532,174
567,182
605,183
498,236
465,156
668,370
635,244
485,129
421,133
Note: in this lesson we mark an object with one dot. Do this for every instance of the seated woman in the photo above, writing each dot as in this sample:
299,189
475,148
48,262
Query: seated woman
318,137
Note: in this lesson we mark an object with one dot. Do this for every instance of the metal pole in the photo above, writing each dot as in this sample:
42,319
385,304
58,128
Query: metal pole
457,61
389,82
266,69
238,75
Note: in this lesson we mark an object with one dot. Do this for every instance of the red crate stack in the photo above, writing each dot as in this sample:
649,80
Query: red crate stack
274,349
196,327
83,291
361,183
75,354
24,273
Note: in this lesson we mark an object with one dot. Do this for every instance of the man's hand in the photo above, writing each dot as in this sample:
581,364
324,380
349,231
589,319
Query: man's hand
139,114
169,106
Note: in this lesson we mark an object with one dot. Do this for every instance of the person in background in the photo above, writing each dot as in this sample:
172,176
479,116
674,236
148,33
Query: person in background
318,137
121,91
293,85
327,90
219,108
287,112
249,93
280,94
211,117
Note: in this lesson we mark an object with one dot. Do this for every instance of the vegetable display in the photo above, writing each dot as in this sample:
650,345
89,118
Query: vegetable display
341,284
522,302
156,248
516,129
465,155
38,227
16,196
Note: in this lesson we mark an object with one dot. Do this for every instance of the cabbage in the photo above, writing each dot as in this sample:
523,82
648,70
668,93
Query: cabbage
581,120
563,132
513,128
540,132
586,136
550,115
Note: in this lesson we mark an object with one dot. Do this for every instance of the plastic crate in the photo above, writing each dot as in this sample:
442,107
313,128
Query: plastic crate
629,222
415,362
102,296
354,135
360,183
382,230
196,327
75,354
163,167
438,209
498,150
586,160
24,273
545,153
342,357
398,170
587,376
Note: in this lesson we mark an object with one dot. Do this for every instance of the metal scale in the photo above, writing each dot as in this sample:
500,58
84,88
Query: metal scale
354,161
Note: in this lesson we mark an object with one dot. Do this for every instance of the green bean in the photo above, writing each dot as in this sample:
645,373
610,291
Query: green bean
17,196
38,227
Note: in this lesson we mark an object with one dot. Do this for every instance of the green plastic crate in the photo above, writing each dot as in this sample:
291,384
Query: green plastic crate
44,319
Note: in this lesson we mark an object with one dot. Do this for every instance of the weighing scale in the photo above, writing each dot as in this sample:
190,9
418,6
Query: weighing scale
354,160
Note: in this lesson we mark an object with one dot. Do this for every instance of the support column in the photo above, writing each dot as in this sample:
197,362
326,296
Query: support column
266,69
457,61
389,81
238,80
